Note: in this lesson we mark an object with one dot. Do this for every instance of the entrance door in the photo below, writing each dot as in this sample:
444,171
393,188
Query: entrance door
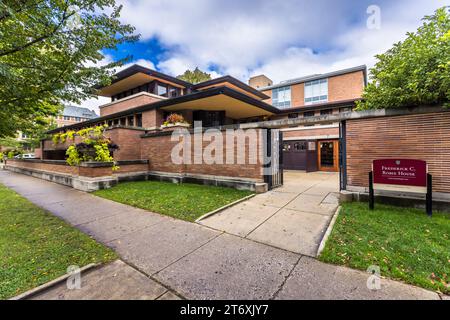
294,155
329,155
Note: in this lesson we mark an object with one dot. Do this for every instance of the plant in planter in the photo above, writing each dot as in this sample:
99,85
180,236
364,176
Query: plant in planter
175,120
95,146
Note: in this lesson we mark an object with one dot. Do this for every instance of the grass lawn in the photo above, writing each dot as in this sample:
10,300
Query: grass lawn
36,247
404,243
182,201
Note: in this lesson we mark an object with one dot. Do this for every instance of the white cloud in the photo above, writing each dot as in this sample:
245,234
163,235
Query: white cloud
285,38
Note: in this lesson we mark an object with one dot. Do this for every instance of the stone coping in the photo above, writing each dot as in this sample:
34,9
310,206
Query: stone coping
57,162
96,164
131,162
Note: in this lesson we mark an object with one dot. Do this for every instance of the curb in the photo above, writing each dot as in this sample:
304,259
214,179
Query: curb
207,215
50,284
328,232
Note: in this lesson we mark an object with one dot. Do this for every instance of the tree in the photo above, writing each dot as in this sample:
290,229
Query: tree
195,76
49,54
415,71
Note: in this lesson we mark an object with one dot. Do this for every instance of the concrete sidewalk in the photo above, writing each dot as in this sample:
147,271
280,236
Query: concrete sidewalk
197,262
294,217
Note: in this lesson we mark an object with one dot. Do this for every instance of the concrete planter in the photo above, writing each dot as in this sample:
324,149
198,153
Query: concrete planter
174,126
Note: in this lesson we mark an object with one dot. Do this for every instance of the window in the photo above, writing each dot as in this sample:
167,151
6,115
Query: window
309,114
123,121
346,109
316,91
78,119
325,112
286,147
173,92
281,97
131,121
161,90
293,116
300,146
139,120
116,122
110,123
66,118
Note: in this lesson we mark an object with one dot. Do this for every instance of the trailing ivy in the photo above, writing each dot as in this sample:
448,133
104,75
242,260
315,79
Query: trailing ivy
94,145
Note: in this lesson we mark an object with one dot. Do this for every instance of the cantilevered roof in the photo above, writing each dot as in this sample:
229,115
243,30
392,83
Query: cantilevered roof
135,76
233,83
237,105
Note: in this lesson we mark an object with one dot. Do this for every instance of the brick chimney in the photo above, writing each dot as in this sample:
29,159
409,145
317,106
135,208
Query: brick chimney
260,81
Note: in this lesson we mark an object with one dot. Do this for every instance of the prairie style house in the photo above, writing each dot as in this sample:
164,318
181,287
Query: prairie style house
141,100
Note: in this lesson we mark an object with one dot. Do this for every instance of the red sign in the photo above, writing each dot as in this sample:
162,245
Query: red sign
404,172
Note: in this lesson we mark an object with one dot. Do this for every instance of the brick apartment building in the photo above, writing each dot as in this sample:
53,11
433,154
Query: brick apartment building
141,100
314,147
71,115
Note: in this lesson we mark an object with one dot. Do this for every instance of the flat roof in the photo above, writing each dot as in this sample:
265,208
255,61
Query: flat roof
313,77
223,90
234,82
128,72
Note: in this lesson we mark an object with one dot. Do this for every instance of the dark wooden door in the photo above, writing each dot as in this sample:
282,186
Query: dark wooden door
295,155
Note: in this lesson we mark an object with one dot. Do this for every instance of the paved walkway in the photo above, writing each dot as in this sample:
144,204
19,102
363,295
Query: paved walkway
197,262
293,217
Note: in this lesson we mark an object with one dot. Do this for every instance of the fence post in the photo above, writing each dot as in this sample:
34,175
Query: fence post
371,192
429,195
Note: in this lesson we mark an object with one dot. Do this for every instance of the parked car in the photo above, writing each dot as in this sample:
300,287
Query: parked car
25,156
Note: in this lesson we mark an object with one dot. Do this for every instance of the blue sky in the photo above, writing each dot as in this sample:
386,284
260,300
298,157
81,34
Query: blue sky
283,39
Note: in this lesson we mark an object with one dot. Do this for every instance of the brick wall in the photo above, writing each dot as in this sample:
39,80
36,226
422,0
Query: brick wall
129,168
158,149
424,137
313,132
60,168
346,86
129,142
152,118
128,103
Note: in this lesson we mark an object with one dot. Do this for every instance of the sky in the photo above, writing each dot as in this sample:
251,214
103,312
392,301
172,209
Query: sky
282,39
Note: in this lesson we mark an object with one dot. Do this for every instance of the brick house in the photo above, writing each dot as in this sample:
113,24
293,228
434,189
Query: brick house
141,100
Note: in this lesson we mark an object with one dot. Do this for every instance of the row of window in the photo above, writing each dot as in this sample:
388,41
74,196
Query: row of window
315,92
154,87
323,112
68,118
129,121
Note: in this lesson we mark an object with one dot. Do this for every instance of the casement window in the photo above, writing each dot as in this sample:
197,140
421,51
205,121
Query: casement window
139,120
326,112
131,121
345,109
308,114
316,91
67,118
281,97
161,90
293,116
